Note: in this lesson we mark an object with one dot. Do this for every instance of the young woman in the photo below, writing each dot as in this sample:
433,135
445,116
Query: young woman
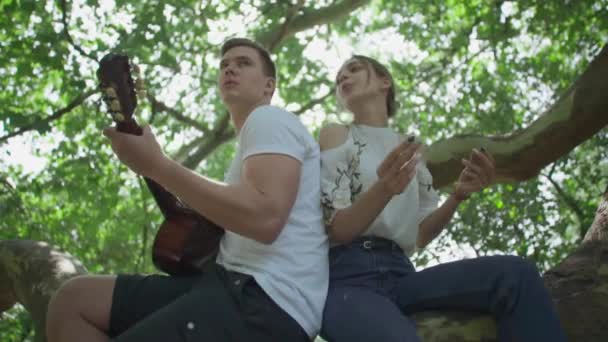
380,207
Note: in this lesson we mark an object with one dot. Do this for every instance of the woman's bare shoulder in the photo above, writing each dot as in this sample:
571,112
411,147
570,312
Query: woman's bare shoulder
332,136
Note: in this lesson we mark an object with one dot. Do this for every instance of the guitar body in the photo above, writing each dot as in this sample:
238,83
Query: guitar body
184,243
186,239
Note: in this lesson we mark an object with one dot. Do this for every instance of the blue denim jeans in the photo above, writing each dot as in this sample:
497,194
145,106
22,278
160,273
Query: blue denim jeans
374,287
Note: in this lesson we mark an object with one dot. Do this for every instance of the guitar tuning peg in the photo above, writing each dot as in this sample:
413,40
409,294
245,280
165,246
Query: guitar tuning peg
139,84
115,106
110,92
119,117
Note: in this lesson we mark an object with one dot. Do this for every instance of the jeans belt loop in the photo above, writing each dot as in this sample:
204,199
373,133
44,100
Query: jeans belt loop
367,244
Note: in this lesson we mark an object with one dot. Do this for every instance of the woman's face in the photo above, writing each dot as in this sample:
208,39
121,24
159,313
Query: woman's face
357,81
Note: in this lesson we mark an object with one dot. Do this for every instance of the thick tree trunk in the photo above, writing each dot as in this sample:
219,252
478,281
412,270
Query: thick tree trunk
31,271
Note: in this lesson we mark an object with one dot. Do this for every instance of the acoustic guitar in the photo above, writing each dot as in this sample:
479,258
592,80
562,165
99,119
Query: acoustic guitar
185,240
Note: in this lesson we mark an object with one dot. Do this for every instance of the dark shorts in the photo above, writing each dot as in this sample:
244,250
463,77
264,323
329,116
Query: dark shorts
219,305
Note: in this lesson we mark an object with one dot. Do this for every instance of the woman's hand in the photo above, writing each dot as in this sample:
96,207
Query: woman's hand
478,173
399,167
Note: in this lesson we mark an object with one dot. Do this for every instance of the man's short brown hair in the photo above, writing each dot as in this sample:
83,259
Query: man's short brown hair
268,64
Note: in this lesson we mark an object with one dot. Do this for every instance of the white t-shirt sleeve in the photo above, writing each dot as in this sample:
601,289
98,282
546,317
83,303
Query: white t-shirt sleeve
271,130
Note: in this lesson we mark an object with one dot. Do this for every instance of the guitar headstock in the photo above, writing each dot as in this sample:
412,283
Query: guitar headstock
119,91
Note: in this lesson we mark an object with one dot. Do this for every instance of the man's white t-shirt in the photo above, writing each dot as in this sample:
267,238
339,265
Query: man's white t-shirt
293,270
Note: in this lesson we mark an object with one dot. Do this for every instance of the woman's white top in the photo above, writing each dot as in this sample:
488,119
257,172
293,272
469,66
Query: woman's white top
350,169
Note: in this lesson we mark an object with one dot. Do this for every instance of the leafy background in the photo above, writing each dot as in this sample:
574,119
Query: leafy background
462,67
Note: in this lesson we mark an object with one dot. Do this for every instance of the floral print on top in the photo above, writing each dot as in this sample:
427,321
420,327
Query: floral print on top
350,169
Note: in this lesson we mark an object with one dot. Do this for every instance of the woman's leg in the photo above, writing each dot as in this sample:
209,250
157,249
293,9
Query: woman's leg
357,314
358,305
509,287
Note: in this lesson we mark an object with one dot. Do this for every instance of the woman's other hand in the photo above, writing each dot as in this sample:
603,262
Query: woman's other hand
479,172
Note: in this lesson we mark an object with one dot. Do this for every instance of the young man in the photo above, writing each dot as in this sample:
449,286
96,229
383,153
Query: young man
270,278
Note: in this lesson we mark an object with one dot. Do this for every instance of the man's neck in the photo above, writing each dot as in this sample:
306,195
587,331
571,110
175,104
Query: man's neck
240,111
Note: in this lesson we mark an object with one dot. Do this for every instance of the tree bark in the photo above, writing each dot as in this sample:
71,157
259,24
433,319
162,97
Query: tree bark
30,272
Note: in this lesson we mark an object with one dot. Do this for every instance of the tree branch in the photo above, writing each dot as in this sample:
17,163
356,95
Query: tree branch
66,32
315,102
598,232
160,106
293,10
13,193
208,146
578,115
55,116
222,133
182,155
277,34
571,203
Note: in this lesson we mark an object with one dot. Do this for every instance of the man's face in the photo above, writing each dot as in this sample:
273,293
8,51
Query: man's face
242,79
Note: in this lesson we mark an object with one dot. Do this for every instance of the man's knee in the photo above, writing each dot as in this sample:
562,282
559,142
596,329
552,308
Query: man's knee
62,303
69,292
74,295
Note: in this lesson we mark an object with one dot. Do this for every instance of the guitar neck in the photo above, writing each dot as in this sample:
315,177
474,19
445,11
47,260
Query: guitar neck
168,203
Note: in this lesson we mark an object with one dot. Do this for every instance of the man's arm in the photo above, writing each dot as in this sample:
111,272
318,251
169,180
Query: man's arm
257,207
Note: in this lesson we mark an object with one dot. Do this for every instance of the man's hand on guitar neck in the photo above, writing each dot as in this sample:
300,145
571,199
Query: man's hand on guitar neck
141,153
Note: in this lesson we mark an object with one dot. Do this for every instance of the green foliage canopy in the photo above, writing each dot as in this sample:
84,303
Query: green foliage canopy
462,67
